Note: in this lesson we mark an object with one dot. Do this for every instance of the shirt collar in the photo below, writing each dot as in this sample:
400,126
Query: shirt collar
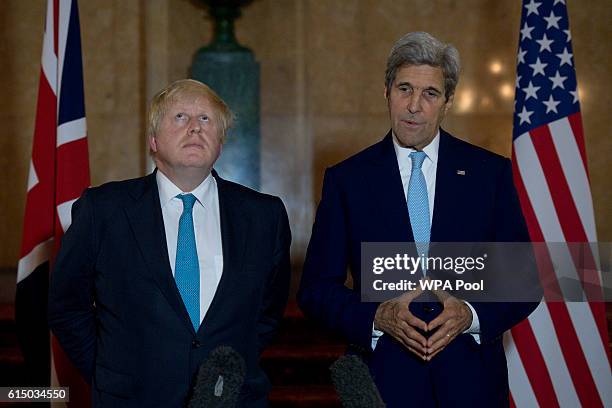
403,153
168,190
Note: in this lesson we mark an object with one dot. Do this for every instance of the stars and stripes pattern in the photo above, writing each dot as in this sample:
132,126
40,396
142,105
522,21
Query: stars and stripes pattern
559,356
59,172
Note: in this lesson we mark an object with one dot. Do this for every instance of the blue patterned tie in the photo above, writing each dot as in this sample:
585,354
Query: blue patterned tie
418,204
187,268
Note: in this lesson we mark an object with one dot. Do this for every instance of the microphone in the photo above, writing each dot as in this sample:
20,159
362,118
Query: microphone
219,380
354,384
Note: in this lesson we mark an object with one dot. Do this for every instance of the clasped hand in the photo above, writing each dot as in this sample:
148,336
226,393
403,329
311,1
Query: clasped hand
395,319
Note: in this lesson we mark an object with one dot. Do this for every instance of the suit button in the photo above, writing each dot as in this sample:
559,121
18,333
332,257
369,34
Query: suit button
427,309
196,344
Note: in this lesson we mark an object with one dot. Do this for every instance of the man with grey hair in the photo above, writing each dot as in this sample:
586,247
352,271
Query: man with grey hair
419,184
156,272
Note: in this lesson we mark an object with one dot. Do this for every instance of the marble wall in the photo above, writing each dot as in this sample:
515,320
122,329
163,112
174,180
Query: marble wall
322,71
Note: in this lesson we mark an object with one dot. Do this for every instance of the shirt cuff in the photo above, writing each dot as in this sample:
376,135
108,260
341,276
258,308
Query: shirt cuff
474,328
376,334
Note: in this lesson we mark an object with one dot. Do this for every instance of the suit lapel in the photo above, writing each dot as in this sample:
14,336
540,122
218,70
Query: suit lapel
234,232
385,184
384,180
145,217
450,188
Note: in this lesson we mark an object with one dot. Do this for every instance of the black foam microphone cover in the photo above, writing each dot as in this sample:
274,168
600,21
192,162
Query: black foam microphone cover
354,384
219,380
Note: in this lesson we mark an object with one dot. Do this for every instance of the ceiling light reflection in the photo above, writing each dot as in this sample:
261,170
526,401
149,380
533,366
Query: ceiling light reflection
506,91
465,100
495,67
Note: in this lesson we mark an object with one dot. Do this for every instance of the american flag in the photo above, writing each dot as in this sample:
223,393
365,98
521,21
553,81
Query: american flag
59,172
559,356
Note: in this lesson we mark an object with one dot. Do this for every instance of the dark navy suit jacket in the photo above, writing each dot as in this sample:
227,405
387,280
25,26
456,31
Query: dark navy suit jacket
363,201
117,313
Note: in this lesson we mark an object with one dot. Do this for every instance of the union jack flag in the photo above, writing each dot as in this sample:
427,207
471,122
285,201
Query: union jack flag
559,356
59,172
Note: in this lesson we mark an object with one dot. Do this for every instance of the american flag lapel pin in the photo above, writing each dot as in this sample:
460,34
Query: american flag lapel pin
461,172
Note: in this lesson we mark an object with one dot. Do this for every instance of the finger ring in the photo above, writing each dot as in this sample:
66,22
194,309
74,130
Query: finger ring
448,335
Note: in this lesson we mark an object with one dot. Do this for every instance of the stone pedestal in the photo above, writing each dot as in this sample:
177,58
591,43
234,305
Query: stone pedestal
232,71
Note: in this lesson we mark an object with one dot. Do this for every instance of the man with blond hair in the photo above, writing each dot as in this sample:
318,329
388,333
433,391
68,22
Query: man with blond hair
157,271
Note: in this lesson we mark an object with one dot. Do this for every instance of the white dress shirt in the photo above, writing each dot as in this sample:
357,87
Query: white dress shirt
207,225
429,168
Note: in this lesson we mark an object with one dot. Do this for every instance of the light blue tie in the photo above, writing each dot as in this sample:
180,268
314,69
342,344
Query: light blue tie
418,204
187,268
